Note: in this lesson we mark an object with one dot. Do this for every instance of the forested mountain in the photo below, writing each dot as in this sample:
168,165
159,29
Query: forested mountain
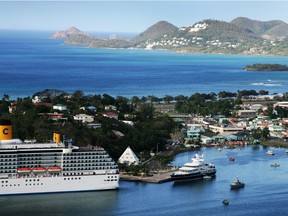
155,32
271,29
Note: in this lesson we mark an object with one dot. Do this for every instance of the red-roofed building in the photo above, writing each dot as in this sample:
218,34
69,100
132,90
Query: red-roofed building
110,115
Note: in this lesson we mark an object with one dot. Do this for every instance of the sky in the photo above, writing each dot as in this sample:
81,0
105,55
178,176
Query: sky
133,16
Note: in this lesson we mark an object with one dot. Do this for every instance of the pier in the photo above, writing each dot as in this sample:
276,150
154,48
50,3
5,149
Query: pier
155,178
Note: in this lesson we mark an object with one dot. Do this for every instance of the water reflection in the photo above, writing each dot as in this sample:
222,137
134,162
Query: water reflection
86,203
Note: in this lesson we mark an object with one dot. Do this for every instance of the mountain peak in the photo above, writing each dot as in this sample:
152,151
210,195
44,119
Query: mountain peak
67,33
155,31
272,28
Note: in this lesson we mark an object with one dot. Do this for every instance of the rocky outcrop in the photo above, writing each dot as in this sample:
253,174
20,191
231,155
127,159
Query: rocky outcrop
68,33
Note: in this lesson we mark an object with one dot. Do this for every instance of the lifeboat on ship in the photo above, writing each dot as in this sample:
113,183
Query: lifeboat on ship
54,169
24,170
39,169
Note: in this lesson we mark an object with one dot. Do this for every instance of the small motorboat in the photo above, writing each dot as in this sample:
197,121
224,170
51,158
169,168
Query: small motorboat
275,165
231,159
236,184
270,152
225,202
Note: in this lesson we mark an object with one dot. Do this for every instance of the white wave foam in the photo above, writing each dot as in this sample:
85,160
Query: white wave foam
267,84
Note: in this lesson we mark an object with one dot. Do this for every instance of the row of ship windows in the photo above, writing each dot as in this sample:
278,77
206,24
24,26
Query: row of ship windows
110,179
40,158
4,160
10,167
49,154
79,178
84,157
91,168
69,174
38,162
86,153
85,164
19,185
7,171
1,164
32,180
52,162
8,156
88,161
52,158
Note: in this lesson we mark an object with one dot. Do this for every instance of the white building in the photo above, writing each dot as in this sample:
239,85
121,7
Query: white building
60,107
84,118
128,157
283,104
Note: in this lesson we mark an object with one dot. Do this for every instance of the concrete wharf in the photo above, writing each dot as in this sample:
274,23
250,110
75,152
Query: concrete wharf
155,178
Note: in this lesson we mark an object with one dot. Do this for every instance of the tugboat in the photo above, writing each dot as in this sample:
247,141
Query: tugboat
236,184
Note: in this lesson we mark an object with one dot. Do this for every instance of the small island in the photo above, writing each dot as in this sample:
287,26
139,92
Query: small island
266,67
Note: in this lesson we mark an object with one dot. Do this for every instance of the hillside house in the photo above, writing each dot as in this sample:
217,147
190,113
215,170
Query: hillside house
60,107
221,129
84,118
246,113
110,115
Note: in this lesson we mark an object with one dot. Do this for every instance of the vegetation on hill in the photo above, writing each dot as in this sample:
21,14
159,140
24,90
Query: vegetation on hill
266,67
241,36
155,32
273,28
150,132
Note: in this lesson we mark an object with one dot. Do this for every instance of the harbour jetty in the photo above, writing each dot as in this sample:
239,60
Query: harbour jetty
155,178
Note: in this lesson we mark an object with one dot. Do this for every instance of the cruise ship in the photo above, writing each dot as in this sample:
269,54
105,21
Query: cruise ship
27,168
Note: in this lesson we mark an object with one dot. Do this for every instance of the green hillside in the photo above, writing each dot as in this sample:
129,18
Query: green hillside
240,36
273,28
155,32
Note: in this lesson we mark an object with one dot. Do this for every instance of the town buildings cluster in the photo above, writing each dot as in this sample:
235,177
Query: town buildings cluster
237,130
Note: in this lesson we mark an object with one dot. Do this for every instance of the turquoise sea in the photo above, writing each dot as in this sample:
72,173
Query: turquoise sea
31,62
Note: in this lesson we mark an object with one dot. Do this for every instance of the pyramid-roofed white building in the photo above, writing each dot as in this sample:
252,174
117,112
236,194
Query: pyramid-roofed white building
128,157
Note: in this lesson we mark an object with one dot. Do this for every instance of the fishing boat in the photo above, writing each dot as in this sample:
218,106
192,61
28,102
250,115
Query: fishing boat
236,184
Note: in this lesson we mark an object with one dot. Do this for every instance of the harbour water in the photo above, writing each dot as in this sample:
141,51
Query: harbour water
265,191
31,62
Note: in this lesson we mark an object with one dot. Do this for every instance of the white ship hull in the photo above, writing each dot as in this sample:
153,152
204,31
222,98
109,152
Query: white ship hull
58,184
54,167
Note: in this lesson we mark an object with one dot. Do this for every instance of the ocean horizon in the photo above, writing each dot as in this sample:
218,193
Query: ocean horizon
32,62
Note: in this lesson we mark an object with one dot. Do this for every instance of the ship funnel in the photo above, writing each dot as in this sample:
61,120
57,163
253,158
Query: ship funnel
5,129
56,137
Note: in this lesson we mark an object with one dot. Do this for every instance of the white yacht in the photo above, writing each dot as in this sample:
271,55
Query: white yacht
197,169
27,168
207,169
270,152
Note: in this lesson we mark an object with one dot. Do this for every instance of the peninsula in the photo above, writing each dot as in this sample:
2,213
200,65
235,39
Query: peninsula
240,36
